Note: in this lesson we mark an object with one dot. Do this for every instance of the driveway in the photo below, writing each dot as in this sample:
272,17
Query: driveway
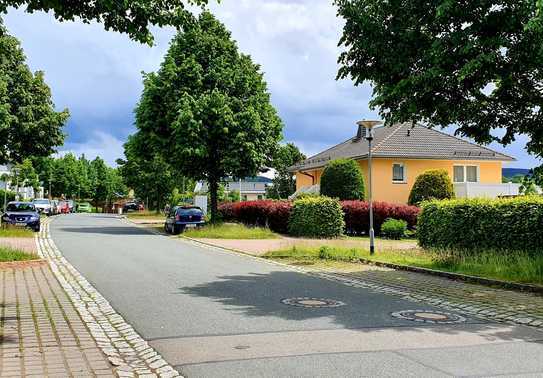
212,313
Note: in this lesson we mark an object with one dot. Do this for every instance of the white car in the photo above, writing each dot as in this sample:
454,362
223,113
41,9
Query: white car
44,206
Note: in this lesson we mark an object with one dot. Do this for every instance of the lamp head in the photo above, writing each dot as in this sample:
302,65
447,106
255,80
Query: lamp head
368,126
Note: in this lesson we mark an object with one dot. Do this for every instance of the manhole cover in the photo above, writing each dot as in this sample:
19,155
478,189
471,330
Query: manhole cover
433,317
312,302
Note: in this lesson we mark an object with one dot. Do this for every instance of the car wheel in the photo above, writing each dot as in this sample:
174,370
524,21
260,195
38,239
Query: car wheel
178,229
37,228
166,229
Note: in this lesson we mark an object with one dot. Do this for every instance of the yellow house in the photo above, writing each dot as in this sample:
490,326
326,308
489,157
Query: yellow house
402,152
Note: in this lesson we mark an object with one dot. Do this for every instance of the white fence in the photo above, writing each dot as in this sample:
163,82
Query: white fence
476,190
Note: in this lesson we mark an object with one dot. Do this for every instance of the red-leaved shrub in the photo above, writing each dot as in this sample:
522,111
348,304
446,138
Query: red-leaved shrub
357,219
265,213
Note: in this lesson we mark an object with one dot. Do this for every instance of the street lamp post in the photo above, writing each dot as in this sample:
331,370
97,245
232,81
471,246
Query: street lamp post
369,125
16,171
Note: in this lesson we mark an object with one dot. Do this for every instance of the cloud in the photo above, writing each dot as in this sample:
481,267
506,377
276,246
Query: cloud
101,144
97,74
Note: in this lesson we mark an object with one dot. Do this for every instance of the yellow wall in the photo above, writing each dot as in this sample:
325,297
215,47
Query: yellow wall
490,172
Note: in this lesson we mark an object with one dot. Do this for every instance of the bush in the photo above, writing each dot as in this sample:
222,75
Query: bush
343,179
479,224
10,196
316,217
265,213
394,228
357,218
434,184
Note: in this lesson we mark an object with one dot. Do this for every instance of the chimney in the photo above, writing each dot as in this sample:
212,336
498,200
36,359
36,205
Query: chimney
360,133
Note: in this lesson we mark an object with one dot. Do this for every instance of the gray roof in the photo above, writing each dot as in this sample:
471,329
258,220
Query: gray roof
405,141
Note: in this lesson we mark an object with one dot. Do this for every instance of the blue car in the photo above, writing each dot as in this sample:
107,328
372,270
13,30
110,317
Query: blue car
181,217
22,214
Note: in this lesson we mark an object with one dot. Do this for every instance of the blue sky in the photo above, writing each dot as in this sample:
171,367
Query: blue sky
97,74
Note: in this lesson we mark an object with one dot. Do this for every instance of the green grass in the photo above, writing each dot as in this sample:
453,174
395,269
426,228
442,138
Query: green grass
145,215
230,231
514,267
15,232
10,254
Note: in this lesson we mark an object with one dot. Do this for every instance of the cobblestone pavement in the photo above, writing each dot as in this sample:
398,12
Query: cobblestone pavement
482,301
42,333
125,349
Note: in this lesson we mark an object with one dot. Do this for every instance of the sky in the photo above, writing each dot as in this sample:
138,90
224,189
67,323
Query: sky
97,74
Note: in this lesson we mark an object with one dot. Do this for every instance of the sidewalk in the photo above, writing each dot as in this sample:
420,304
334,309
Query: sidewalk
42,333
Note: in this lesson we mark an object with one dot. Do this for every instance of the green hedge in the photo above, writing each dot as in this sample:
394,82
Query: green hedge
430,185
316,217
342,179
479,224
394,228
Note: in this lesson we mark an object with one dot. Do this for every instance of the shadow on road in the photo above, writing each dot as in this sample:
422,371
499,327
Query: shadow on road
260,295
108,230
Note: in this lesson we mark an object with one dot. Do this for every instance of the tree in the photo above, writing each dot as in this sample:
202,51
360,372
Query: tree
284,182
476,64
148,174
29,124
207,110
342,178
131,17
27,176
432,184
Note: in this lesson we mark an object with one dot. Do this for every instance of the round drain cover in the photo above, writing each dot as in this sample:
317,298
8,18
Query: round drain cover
432,317
312,302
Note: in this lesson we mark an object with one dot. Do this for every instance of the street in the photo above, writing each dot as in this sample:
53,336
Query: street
212,313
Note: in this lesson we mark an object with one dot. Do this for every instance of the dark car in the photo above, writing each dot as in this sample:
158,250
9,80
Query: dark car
133,206
181,217
22,214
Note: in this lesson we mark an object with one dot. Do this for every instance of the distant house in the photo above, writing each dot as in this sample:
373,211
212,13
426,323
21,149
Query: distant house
24,192
403,151
250,188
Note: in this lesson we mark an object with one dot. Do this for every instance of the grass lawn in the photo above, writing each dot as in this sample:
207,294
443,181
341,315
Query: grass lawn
10,254
145,215
15,232
514,267
230,231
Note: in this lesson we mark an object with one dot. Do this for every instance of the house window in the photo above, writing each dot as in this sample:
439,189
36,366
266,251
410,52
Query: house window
466,173
244,197
398,172
260,197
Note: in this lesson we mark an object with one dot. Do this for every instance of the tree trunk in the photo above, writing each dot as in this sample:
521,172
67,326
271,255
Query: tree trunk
213,191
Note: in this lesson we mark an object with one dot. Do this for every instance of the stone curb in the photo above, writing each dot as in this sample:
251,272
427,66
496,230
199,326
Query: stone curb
482,312
126,349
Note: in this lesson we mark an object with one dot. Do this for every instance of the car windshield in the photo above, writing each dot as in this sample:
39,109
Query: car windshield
41,202
20,207
190,211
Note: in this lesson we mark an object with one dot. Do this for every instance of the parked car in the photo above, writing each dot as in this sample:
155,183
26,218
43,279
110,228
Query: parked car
23,214
63,207
181,217
54,207
71,204
133,206
43,206
84,207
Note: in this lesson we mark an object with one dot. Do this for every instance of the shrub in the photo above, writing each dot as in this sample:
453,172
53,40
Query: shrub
343,179
10,196
357,219
478,224
434,184
394,228
316,217
265,213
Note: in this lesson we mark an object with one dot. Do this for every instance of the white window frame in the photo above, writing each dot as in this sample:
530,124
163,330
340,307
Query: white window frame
404,181
465,168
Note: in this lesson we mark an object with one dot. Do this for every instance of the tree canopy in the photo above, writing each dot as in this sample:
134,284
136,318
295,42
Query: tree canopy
29,124
134,17
207,110
476,64
284,183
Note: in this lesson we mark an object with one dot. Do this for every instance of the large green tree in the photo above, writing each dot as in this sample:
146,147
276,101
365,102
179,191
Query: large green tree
208,109
477,64
147,173
284,182
133,17
29,124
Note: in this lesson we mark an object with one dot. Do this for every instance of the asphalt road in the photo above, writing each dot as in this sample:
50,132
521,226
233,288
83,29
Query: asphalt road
217,314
